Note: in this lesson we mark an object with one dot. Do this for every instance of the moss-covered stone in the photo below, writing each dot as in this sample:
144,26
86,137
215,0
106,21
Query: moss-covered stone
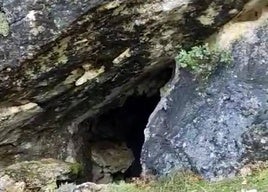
76,169
38,175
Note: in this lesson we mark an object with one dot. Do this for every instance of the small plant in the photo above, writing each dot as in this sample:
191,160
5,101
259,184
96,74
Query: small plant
202,60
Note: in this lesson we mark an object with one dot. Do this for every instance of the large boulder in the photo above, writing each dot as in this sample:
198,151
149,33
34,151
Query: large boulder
62,62
215,126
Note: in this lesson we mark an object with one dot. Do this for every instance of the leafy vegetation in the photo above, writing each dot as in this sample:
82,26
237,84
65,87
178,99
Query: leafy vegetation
202,60
191,183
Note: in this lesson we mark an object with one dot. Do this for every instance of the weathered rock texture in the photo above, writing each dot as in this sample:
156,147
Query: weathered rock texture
41,176
109,158
215,127
85,187
64,61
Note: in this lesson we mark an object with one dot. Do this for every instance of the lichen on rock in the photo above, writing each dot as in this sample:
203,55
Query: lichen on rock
74,60
214,127
4,25
40,175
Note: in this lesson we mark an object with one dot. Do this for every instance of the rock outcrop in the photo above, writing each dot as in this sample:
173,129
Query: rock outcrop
63,62
215,126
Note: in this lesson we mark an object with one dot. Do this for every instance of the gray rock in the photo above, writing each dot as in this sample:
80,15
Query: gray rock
33,24
62,62
91,187
109,158
66,187
214,128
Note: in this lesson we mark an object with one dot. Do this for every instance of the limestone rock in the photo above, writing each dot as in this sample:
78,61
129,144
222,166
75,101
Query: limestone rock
62,62
31,176
217,126
85,187
109,158
8,184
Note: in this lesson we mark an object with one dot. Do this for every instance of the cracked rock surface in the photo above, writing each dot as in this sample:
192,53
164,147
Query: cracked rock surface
217,126
64,61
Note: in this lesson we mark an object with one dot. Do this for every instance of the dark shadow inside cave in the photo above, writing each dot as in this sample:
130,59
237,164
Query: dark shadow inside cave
126,124
104,142
138,110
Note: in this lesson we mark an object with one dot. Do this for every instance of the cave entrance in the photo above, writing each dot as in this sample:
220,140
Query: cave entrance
109,145
116,139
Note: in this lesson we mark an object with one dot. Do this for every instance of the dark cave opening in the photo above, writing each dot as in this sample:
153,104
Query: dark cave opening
126,125
123,125
109,145
138,110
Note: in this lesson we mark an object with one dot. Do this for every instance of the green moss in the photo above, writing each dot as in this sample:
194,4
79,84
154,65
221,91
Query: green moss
4,26
76,169
189,182
202,60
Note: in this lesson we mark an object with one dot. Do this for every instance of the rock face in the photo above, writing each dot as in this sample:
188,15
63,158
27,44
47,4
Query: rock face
215,127
63,62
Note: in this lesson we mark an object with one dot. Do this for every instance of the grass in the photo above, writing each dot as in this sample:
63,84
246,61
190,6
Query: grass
191,183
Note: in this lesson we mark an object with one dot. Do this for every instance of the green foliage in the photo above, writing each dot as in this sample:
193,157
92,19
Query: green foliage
202,60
